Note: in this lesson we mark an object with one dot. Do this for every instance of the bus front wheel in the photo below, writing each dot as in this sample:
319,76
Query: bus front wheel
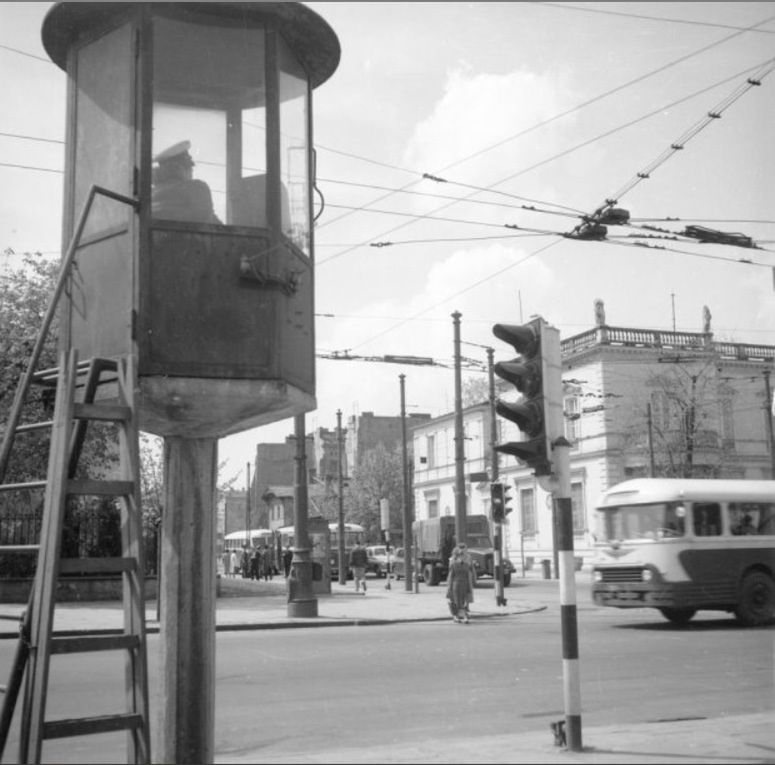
678,615
757,600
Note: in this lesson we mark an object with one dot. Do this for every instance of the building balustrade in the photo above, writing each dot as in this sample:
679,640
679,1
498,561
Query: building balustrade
649,338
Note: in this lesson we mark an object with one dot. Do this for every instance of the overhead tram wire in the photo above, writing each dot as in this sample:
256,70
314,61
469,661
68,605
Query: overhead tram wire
586,9
558,155
678,145
459,292
548,121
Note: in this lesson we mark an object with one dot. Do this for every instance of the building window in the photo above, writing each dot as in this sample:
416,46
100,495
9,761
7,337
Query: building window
430,450
433,508
527,509
572,418
579,511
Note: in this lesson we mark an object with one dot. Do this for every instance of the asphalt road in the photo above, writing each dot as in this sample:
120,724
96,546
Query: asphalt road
291,691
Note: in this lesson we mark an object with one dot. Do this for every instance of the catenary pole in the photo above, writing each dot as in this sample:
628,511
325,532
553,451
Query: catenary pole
342,561
302,601
768,404
407,515
460,487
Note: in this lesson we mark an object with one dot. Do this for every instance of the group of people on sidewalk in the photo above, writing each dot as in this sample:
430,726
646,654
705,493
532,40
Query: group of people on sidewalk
257,563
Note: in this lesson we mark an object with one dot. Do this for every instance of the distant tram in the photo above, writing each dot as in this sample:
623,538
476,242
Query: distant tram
353,532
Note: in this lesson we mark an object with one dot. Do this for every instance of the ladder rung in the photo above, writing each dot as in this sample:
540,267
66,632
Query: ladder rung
85,643
97,565
49,376
34,426
84,726
108,412
21,486
100,488
19,548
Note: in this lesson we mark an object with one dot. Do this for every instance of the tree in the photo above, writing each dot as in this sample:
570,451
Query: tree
684,416
24,296
476,390
378,475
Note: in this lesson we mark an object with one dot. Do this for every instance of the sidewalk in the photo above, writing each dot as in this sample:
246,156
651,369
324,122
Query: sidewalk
248,605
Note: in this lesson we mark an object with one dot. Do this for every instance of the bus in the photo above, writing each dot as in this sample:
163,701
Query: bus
681,545
237,540
353,532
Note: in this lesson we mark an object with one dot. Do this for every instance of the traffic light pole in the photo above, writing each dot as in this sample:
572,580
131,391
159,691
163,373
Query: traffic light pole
497,542
569,625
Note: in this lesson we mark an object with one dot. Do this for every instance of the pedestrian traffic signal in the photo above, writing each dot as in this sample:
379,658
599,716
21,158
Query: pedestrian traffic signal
497,503
536,374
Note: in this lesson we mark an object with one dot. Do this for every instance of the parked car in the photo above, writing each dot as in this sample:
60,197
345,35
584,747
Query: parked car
378,560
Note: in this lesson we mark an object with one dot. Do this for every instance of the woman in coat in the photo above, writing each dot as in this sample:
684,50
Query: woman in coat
460,590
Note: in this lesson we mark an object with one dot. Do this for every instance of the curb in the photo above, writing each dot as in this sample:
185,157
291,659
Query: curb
153,628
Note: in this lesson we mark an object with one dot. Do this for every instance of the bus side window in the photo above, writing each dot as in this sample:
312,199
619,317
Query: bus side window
767,518
707,519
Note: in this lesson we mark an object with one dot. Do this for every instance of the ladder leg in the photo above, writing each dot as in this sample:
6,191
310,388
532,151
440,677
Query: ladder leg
133,581
15,681
46,575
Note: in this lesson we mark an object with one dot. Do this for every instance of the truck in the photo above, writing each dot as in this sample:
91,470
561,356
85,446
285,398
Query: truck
435,540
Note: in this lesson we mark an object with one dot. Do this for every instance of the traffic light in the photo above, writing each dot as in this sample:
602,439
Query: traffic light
506,500
536,374
497,503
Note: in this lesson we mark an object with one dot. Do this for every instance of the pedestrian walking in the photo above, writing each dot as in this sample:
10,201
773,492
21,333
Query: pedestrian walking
244,563
226,558
460,586
233,564
287,560
359,559
266,563
255,564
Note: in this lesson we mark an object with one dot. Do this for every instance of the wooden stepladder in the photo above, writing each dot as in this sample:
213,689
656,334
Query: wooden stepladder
77,404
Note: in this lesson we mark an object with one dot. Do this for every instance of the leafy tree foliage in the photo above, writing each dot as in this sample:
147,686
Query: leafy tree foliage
476,390
25,292
378,475
686,410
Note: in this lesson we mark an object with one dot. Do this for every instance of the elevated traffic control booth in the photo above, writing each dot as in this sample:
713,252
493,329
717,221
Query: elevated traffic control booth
216,303
188,193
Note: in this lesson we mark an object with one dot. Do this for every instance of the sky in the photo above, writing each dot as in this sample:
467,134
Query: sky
556,107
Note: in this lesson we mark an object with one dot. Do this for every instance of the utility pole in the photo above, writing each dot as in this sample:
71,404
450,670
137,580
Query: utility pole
460,487
342,561
407,515
302,602
651,440
768,404
247,508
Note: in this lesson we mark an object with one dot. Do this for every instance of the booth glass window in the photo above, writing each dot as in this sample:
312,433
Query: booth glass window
209,124
294,170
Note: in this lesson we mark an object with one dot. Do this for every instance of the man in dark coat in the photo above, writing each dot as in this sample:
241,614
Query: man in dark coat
176,195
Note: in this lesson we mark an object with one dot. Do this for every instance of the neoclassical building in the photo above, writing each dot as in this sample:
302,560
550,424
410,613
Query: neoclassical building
637,402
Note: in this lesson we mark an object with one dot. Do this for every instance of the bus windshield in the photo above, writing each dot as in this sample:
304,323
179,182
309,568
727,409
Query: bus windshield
659,520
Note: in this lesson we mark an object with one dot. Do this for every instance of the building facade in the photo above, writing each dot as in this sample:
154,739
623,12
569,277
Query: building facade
636,403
